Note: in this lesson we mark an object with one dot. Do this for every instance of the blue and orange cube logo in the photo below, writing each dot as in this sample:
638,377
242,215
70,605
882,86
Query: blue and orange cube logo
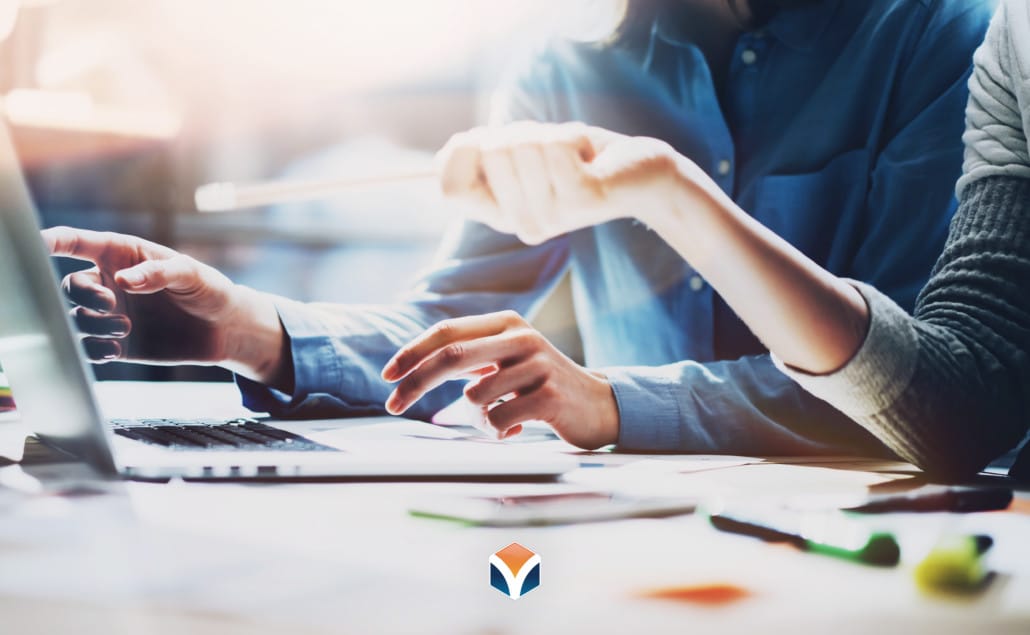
515,570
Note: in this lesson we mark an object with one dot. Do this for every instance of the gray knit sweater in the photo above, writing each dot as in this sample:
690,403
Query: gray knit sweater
949,389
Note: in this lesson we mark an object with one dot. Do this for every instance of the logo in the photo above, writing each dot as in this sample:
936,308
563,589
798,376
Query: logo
515,570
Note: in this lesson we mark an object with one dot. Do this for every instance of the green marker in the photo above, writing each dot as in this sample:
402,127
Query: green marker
828,533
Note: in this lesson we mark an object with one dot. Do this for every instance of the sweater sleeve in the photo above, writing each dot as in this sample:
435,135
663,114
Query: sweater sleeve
947,388
998,111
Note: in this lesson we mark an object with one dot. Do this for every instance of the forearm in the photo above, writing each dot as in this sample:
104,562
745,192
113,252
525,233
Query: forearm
808,317
946,389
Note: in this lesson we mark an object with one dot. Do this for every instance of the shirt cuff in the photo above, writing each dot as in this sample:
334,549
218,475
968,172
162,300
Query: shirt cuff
317,367
881,369
649,417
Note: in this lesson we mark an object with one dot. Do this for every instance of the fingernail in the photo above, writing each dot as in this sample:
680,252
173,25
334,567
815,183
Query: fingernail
393,404
119,333
109,357
134,278
389,370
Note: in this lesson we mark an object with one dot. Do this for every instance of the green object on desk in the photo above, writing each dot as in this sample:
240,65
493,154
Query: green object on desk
880,549
954,565
831,534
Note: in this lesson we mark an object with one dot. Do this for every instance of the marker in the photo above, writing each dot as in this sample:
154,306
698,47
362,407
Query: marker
955,565
225,197
935,498
828,533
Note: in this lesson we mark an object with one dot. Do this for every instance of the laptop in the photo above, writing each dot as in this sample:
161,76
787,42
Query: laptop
53,388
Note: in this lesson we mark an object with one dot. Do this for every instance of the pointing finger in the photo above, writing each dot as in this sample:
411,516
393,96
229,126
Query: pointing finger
447,332
451,362
85,244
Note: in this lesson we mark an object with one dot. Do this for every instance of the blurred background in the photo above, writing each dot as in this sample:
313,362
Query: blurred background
120,109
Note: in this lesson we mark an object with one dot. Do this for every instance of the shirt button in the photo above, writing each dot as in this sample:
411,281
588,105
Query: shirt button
748,56
724,167
696,283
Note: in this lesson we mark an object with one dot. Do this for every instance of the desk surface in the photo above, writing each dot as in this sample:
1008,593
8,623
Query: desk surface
347,557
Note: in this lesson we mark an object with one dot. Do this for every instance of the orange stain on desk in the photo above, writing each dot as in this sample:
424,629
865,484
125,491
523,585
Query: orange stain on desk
1020,505
704,594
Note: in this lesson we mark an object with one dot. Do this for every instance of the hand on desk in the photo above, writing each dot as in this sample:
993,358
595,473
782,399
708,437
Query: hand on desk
513,362
148,303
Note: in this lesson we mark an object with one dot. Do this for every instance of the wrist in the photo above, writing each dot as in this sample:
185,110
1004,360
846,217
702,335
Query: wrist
256,343
607,416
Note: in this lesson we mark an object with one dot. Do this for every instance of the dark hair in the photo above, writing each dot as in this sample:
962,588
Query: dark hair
639,15
637,19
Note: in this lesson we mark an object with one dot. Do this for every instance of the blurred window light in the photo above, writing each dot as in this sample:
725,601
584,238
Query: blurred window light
76,111
591,20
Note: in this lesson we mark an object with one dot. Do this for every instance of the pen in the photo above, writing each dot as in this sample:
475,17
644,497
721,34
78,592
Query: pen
828,533
224,197
935,498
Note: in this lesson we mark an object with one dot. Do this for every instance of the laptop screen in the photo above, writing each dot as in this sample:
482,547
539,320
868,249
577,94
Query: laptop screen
40,352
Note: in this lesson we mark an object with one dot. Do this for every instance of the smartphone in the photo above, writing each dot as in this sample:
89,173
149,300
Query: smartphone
549,509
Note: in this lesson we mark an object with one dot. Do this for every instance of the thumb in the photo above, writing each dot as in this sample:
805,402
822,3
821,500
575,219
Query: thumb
179,273
630,159
597,140
458,165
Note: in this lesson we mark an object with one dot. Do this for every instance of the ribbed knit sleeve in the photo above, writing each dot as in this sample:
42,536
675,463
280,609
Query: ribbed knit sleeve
949,389
998,111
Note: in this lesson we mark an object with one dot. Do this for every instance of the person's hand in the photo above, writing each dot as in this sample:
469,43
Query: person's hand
145,302
538,181
519,377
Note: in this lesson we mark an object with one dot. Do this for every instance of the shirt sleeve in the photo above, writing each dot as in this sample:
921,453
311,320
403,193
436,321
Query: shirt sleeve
338,350
744,406
748,405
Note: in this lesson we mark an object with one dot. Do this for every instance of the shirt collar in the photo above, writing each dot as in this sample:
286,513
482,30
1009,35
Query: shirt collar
667,29
801,27
798,28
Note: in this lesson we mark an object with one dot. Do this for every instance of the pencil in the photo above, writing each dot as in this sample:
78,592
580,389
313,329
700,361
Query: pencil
224,197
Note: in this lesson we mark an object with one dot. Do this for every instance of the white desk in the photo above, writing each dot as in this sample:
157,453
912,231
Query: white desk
346,557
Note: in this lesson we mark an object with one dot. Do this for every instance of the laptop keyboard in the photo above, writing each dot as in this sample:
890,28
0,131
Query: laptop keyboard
238,434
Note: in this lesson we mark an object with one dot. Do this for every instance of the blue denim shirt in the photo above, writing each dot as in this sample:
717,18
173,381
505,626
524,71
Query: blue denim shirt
839,127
